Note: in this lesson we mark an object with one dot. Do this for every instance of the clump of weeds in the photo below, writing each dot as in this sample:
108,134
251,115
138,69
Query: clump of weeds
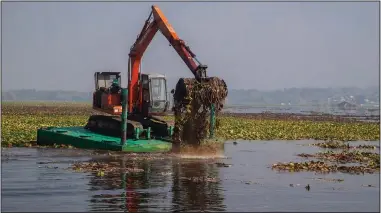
322,167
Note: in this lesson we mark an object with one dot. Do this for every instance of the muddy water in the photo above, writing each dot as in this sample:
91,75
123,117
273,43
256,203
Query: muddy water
37,180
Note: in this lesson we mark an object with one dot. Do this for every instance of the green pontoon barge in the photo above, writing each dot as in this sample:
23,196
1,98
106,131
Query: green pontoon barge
105,138
138,139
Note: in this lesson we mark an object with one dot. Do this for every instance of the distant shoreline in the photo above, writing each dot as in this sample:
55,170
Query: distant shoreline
84,108
239,106
366,97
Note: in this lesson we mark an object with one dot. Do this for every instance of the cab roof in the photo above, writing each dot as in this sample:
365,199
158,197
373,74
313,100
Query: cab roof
155,75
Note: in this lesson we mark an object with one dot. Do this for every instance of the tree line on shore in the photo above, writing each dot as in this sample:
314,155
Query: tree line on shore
293,96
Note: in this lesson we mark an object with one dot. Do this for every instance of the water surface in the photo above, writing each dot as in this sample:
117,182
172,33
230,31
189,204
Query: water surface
37,180
305,110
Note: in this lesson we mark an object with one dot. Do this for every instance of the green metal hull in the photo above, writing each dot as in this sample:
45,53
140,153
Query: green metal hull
81,138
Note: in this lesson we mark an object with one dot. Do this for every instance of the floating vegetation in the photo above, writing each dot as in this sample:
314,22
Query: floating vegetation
21,130
343,145
332,145
369,185
366,147
370,158
369,162
57,146
102,168
20,123
219,164
322,167
46,108
317,166
249,129
304,155
328,179
303,117
33,144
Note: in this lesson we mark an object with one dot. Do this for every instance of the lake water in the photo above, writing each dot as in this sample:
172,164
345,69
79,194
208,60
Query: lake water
37,179
306,110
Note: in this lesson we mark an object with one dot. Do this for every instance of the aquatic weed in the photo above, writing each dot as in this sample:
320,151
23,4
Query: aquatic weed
322,167
21,121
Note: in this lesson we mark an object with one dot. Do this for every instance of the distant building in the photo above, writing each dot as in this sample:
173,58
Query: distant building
346,106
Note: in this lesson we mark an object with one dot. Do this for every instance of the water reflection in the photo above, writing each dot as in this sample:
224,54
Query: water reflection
196,187
167,184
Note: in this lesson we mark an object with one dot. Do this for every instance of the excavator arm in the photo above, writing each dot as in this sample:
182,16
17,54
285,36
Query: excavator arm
179,45
157,22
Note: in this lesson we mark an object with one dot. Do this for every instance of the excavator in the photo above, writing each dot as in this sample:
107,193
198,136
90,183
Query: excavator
147,93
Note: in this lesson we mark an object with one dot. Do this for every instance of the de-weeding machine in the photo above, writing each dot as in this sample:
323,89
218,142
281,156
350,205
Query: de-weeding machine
131,124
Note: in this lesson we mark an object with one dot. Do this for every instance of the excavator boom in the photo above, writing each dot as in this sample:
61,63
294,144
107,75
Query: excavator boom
157,22
179,45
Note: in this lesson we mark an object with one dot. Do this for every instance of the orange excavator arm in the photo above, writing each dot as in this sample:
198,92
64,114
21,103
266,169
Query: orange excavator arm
157,22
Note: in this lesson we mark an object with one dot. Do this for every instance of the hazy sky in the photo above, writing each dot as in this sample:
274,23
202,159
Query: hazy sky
50,45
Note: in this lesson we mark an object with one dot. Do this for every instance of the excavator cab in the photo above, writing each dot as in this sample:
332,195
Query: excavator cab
155,100
106,96
104,80
107,99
